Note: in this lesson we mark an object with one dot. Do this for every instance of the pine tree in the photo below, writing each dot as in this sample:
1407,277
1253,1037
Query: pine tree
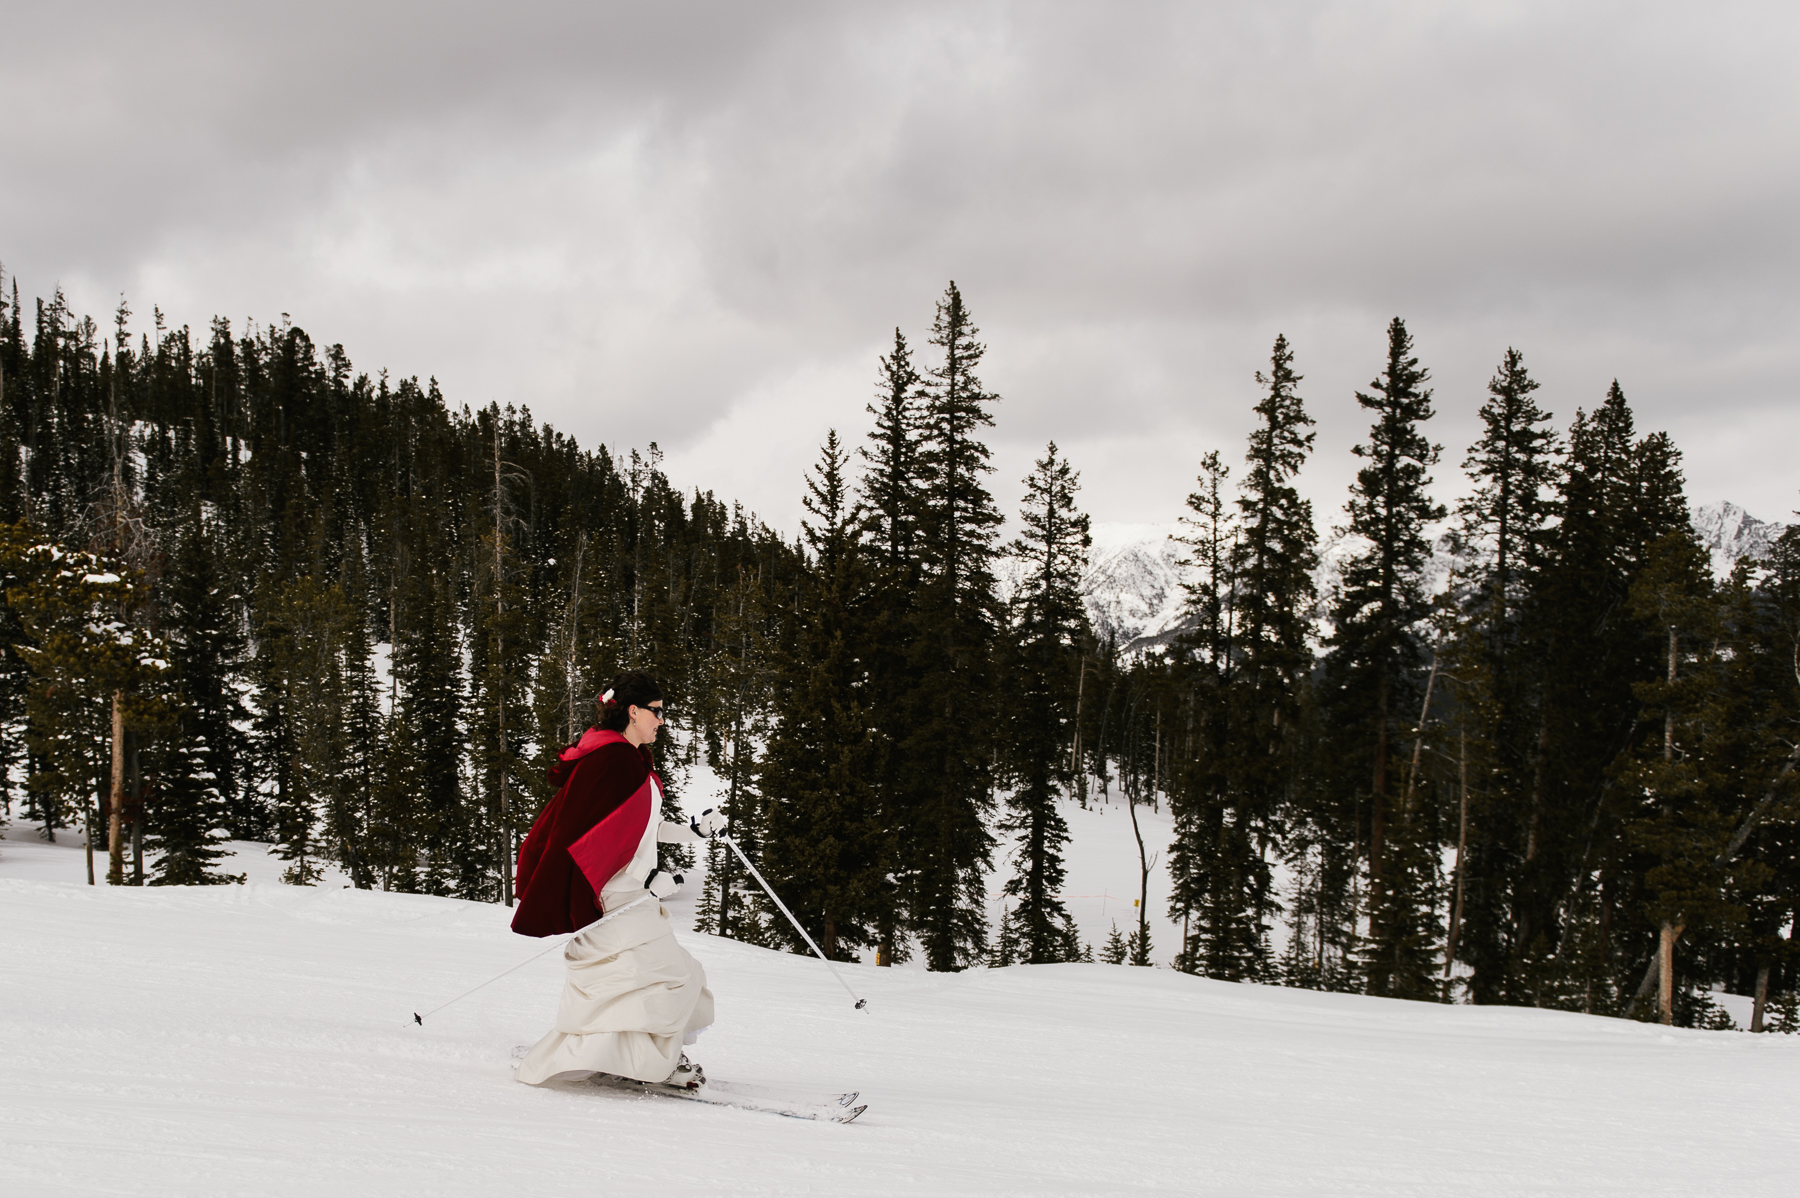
91,672
1115,949
429,709
1375,647
1617,496
1201,857
1253,760
947,753
1507,516
743,679
200,775
1137,945
1048,628
500,679
825,850
892,497
1685,777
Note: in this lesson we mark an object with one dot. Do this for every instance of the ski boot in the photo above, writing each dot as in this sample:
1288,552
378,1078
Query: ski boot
687,1075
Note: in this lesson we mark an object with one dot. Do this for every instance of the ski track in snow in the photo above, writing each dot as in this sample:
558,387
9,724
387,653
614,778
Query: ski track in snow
259,1039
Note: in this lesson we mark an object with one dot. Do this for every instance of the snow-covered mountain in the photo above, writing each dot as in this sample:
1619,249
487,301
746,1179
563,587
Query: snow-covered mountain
1133,583
1730,533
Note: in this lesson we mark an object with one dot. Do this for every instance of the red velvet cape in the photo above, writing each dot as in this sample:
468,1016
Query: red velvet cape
584,835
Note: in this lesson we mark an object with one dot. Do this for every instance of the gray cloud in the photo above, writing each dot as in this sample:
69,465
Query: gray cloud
698,224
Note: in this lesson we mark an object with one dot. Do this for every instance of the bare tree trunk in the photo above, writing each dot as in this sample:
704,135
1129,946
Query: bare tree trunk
1528,909
1762,997
87,836
1156,767
1075,740
1669,713
1665,997
1462,843
115,806
1378,799
1412,771
574,620
1144,866
135,782
506,831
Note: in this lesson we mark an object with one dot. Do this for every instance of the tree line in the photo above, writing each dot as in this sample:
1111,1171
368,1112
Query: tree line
253,593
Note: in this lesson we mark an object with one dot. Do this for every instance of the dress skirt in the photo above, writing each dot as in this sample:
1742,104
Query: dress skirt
631,997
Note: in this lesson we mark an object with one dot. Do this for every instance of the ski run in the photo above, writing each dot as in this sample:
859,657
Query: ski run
259,1039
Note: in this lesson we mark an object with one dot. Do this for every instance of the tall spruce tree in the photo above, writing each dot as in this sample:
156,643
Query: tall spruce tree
893,502
825,847
1048,630
1507,519
202,767
946,755
1205,893
1376,652
500,619
1270,563
1588,654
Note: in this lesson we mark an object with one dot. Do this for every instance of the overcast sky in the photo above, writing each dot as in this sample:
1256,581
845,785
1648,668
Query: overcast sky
699,224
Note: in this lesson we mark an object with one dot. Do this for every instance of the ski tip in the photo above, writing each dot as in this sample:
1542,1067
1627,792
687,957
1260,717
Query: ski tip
847,1099
850,1115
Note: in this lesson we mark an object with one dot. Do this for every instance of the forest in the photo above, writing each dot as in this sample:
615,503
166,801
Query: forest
252,592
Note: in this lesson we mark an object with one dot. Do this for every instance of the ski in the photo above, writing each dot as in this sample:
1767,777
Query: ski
837,1108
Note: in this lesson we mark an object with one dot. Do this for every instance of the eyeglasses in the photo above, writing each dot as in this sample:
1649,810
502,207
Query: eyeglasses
657,712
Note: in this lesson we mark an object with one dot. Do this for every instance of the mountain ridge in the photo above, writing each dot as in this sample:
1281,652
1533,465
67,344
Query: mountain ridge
1133,585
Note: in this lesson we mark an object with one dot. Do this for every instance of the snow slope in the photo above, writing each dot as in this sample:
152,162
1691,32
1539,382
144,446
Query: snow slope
258,1039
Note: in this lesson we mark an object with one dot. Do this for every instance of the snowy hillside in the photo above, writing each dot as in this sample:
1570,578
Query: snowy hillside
258,1039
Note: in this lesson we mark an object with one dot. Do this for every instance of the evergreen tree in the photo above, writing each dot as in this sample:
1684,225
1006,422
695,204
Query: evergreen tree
825,849
1115,949
1375,648
1048,627
201,771
1201,857
93,675
499,674
1507,517
947,753
1617,497
429,708
744,676
1269,565
893,500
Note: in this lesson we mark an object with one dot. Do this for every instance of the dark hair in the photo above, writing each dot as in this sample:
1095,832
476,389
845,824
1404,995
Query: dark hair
633,688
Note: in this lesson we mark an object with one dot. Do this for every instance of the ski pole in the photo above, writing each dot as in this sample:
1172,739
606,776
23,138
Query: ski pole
860,1002
420,1019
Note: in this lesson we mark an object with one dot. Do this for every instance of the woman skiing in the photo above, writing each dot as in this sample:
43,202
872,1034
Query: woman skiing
633,996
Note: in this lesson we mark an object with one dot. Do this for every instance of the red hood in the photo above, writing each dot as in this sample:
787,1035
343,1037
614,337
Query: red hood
590,740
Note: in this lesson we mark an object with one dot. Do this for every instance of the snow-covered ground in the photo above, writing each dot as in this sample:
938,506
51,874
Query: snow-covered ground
1101,889
259,1039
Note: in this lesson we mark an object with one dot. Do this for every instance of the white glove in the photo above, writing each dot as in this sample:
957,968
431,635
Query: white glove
662,883
708,823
